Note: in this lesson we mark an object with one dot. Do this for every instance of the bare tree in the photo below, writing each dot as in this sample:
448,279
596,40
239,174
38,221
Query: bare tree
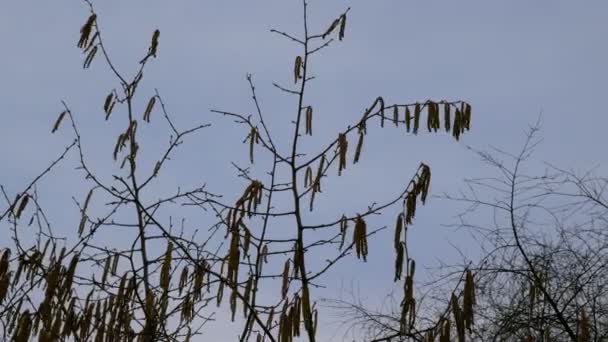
543,240
159,283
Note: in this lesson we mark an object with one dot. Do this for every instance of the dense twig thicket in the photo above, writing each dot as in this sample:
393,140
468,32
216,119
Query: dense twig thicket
164,285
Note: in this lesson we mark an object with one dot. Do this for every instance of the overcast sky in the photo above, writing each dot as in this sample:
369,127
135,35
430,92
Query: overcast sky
509,59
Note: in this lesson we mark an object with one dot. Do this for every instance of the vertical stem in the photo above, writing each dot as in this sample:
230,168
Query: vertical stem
308,325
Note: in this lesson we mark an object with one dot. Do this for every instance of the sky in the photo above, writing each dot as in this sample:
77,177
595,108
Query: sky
511,60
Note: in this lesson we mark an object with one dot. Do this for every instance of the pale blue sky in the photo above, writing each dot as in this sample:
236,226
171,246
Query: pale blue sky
509,59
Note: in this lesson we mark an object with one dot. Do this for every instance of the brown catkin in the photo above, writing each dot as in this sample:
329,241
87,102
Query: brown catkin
85,31
149,108
297,66
285,284
446,116
342,149
309,120
108,102
416,118
358,148
154,43
342,26
58,121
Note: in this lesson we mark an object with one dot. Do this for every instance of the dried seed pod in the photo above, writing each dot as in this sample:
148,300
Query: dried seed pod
358,149
58,121
149,108
297,66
